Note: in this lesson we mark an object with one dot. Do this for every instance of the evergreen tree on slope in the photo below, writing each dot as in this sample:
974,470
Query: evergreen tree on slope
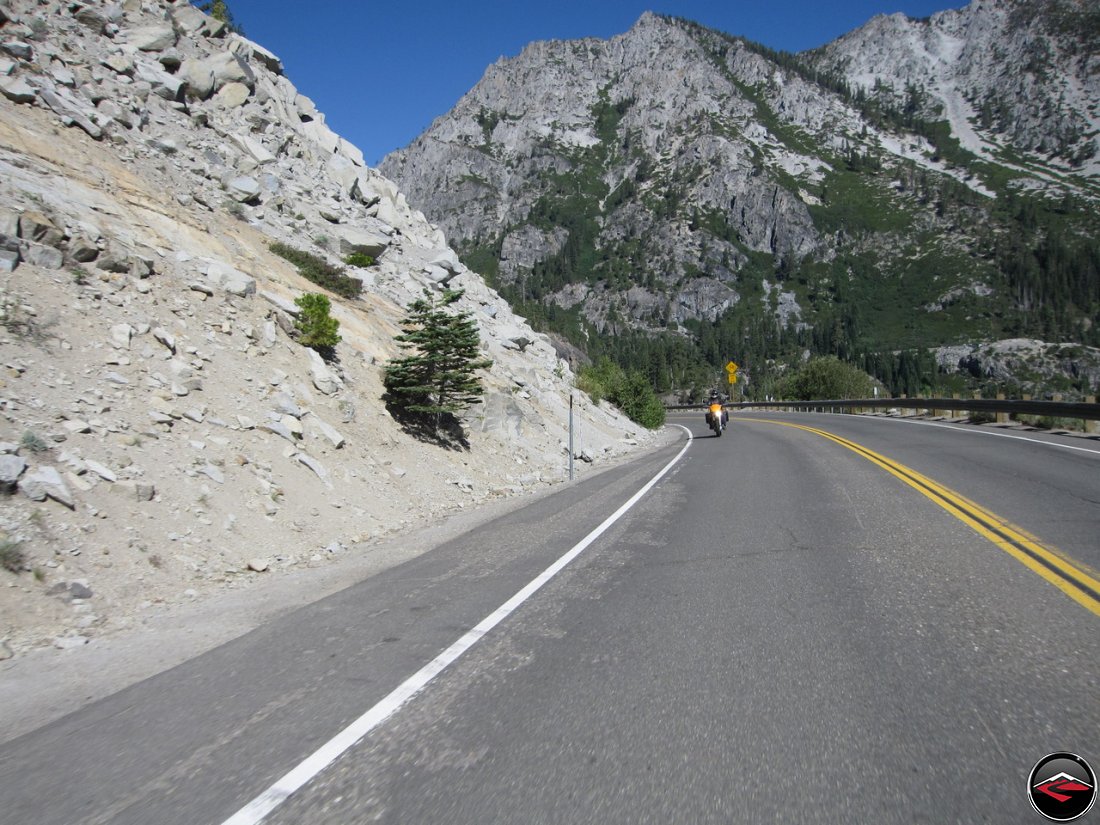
438,377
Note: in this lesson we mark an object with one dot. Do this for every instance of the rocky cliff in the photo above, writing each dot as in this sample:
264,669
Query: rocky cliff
1022,76
687,190
163,433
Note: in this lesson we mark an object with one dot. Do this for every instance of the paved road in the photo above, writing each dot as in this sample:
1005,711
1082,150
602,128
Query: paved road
780,631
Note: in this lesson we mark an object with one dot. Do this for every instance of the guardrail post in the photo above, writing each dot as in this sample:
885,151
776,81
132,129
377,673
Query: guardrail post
1090,425
1002,417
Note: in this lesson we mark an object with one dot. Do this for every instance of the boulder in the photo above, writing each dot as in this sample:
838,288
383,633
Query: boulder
164,85
17,90
153,38
353,239
45,482
170,59
388,212
292,424
323,378
197,78
448,259
119,63
438,275
47,257
18,49
320,134
104,472
8,260
232,95
279,302
188,19
11,468
252,147
344,172
71,111
279,429
230,279
243,189
287,405
34,226
230,68
165,338
91,18
109,112
138,490
326,431
82,249
258,53
9,229
121,335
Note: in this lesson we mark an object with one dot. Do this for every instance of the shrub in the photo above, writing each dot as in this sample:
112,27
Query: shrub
317,327
319,271
33,442
360,259
827,378
12,556
630,392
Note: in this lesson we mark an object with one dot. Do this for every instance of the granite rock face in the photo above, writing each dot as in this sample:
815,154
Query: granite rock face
704,170
164,433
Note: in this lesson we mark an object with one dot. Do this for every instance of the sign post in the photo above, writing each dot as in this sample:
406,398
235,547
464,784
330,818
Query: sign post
570,436
731,374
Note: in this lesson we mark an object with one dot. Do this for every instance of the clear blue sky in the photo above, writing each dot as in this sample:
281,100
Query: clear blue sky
383,70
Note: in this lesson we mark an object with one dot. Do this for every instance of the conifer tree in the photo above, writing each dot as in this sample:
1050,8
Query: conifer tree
317,329
219,10
438,376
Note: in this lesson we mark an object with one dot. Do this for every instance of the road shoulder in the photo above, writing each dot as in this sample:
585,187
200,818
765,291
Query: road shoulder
47,684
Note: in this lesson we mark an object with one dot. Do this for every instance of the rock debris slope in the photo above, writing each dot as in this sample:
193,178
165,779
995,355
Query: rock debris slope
163,434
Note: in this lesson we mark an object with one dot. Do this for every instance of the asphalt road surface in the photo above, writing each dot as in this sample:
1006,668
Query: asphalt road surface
811,619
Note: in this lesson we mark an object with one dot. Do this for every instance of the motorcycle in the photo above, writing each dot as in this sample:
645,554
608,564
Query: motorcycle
717,421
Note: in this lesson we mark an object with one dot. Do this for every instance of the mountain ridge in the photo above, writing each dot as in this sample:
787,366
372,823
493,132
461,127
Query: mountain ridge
677,181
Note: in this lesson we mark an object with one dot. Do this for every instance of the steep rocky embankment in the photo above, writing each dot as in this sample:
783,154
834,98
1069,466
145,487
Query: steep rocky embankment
163,434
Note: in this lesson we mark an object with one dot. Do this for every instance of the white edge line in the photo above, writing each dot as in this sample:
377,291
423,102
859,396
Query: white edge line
270,799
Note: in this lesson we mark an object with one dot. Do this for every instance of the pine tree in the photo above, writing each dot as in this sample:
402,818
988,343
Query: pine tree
219,10
317,329
438,377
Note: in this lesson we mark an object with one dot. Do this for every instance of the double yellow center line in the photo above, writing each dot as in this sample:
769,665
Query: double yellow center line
1075,582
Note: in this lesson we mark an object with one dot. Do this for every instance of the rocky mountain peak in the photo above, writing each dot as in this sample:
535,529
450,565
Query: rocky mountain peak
1010,73
691,192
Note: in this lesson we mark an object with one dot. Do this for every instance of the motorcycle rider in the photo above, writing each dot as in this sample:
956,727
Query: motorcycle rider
714,407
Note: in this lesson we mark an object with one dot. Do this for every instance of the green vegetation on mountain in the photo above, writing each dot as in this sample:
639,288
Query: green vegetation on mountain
859,229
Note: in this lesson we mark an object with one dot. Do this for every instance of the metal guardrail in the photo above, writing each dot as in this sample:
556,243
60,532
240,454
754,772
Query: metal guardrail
1084,410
